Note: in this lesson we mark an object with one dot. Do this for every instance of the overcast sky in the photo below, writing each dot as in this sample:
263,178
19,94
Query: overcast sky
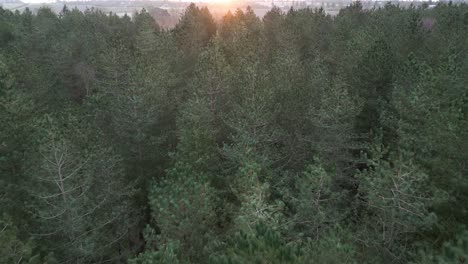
37,1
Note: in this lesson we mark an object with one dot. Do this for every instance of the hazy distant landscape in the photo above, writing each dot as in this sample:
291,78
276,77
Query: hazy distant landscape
167,13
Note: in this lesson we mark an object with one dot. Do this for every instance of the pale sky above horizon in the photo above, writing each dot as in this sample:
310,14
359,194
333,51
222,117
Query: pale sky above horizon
53,1
37,1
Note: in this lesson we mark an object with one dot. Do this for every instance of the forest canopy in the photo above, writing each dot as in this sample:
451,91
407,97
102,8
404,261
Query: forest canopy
294,138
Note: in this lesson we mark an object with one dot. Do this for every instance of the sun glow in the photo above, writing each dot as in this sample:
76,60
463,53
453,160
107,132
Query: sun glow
224,3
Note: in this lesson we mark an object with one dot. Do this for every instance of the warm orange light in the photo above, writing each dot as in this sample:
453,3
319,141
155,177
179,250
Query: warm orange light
214,4
222,2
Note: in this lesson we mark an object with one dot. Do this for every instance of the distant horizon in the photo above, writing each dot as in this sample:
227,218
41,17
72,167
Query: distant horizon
54,1
175,1
198,1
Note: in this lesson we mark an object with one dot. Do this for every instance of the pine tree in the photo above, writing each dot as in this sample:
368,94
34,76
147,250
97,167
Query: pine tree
81,201
182,209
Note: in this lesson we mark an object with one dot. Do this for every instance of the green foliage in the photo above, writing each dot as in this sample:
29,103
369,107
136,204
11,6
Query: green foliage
452,251
265,245
315,203
182,207
253,193
399,198
430,127
167,254
79,192
294,138
197,136
262,245
12,249
193,32
336,245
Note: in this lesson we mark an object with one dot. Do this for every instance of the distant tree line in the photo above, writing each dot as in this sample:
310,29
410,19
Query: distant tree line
295,138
